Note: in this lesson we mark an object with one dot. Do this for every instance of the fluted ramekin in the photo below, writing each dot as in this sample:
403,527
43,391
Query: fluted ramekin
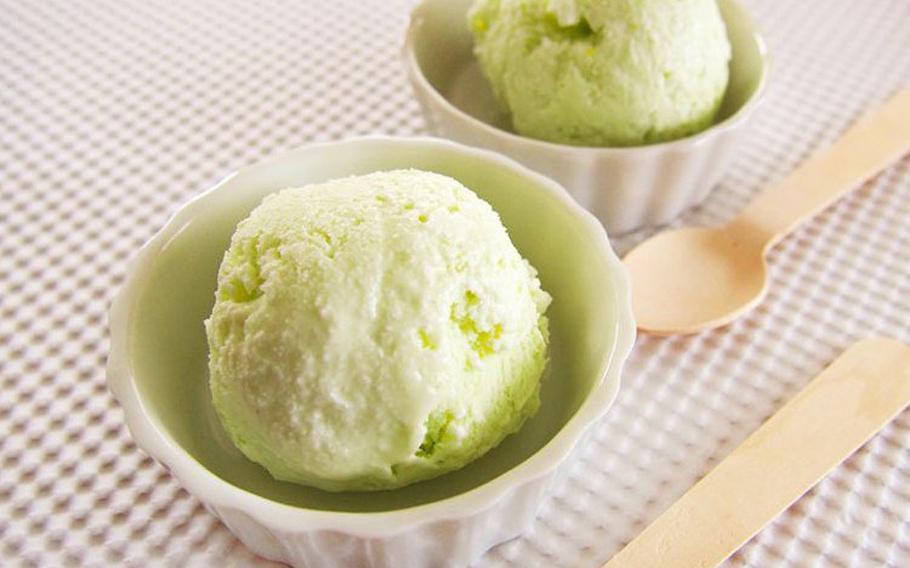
157,369
626,188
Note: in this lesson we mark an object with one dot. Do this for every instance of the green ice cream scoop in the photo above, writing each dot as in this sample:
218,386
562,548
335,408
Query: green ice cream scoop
373,331
604,72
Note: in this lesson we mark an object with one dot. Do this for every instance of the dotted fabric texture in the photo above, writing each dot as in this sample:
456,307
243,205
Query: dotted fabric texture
114,113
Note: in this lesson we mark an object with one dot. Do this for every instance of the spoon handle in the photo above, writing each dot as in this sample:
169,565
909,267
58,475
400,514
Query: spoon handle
838,411
877,139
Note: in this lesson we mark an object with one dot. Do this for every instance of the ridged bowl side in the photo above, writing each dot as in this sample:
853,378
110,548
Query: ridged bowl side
626,188
450,532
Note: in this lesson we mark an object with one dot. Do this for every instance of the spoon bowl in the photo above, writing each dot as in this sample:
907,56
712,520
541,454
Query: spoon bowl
691,279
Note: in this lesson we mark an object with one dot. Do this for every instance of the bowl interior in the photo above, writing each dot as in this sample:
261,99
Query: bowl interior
455,73
168,351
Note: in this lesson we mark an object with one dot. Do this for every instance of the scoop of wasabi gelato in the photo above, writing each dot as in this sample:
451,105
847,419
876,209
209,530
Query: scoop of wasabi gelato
604,72
373,331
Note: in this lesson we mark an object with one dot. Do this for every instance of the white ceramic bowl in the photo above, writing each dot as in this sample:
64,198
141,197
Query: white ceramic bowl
626,188
157,368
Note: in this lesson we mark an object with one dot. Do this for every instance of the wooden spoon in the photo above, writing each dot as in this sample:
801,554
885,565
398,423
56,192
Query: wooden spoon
829,419
692,279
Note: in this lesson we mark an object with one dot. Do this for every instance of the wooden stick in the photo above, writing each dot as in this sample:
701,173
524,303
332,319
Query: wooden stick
879,138
836,413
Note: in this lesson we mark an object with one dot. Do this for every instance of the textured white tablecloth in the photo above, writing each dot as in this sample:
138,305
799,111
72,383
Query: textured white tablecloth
113,113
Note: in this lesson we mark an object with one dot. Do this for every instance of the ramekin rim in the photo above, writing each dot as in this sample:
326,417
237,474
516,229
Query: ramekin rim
740,116
274,515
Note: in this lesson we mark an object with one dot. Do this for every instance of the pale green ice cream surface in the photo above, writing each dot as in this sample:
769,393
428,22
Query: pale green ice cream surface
604,72
373,331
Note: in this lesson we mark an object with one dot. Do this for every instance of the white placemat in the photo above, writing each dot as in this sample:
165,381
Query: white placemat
112,113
